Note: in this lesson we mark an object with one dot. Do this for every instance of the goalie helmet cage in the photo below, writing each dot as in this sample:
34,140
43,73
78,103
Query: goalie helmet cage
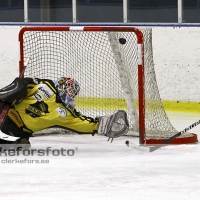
115,69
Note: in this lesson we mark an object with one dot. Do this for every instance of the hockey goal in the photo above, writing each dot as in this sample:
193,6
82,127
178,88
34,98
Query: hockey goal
115,69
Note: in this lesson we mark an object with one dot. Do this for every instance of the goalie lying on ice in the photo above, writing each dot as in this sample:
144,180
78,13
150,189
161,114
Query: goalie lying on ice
31,104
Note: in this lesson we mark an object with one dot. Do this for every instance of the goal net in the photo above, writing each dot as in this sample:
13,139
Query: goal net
114,67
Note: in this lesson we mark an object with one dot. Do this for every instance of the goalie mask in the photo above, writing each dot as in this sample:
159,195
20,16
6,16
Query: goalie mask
70,87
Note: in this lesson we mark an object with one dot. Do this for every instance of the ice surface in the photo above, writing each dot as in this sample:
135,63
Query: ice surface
104,171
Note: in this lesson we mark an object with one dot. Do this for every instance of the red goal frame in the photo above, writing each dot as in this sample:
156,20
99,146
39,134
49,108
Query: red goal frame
141,80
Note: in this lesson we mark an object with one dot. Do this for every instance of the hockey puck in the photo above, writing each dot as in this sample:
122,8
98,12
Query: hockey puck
127,143
122,40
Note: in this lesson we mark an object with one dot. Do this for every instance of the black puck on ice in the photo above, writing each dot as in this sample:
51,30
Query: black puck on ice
122,40
127,143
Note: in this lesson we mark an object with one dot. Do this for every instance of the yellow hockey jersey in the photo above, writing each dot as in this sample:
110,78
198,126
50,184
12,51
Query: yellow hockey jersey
42,109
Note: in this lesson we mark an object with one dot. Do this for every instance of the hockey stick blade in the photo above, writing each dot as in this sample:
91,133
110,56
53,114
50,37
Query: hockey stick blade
174,136
167,141
6,137
137,147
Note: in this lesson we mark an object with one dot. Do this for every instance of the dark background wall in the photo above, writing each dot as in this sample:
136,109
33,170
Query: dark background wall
100,11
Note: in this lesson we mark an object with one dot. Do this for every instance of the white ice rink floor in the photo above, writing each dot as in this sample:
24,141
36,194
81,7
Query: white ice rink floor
100,170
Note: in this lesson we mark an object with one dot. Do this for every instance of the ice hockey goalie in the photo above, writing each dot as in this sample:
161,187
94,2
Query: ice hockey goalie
29,105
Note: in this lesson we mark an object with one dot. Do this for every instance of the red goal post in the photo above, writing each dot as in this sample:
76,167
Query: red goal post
122,74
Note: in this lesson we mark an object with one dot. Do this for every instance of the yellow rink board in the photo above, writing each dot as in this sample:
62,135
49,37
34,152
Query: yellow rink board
174,106
182,106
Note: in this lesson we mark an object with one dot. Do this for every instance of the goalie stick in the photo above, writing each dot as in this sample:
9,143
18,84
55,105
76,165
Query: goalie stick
167,141
24,68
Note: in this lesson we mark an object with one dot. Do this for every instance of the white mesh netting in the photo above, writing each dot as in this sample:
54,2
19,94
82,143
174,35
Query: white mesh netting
88,57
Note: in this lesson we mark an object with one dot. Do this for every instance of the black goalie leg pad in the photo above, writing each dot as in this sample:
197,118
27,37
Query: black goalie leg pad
14,92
